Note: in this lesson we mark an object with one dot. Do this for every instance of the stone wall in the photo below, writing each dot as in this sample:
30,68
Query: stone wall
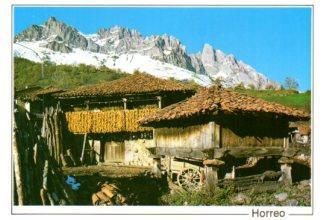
136,152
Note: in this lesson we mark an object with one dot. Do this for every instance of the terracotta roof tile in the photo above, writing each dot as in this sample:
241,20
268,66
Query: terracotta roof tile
135,83
211,100
34,93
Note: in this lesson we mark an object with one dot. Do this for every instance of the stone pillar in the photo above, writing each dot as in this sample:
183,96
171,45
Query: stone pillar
285,167
156,170
211,177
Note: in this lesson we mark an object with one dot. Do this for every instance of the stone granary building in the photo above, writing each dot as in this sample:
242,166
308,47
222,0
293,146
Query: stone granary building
224,132
102,119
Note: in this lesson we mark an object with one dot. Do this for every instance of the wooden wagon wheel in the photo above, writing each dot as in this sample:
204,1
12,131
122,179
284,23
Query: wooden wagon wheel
189,178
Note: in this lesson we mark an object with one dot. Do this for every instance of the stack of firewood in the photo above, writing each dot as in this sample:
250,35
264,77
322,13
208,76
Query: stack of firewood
37,176
109,194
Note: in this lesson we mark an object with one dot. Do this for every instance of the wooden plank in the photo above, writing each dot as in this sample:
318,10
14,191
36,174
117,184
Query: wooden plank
83,147
114,151
244,152
196,136
199,153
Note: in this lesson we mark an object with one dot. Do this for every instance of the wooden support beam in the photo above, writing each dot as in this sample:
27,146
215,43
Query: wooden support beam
83,147
198,153
70,155
214,162
244,152
125,103
159,98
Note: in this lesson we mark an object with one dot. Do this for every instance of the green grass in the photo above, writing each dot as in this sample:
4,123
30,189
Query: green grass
299,101
224,196
288,98
28,73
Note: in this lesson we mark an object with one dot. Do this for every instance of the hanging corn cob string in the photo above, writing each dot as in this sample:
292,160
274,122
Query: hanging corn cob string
107,121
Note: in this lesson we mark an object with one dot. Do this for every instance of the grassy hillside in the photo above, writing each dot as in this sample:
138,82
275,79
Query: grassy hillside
289,98
28,73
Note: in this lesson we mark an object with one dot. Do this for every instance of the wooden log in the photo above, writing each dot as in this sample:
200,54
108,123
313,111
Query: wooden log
51,200
43,196
83,147
103,197
18,170
35,156
45,174
214,162
285,160
198,153
109,191
64,163
70,155
95,199
251,162
120,199
57,137
244,152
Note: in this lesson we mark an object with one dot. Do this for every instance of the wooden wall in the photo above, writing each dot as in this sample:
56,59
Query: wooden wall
196,136
230,139
227,132
253,131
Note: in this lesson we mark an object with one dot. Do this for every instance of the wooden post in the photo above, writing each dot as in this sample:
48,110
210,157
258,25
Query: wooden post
92,151
70,155
125,103
87,105
159,98
19,180
83,147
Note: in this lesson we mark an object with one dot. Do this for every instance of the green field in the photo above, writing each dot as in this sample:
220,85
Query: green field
289,98
28,73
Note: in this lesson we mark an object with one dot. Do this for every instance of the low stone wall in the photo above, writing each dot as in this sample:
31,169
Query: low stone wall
136,152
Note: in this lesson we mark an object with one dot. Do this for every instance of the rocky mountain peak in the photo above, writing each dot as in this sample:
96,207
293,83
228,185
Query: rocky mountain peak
51,19
118,40
208,55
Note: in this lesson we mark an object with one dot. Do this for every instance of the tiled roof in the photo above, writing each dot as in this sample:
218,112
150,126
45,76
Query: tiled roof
213,100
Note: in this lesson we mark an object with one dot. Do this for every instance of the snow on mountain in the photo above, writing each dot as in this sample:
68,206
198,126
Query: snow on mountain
117,47
125,62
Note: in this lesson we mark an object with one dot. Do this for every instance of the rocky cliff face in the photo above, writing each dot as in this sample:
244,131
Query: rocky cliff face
117,41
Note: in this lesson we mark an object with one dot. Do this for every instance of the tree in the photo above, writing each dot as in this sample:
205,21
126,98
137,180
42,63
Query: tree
270,86
239,86
291,83
251,86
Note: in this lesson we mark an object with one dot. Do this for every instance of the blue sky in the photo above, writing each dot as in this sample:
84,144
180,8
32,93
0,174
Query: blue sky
275,41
